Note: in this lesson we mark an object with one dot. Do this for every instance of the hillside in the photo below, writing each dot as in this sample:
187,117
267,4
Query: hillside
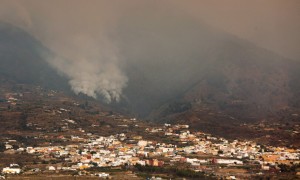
176,64
176,69
247,83
22,59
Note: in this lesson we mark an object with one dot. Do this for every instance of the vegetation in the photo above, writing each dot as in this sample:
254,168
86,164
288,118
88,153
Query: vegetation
169,170
287,168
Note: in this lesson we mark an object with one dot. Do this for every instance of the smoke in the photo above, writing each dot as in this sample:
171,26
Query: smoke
93,69
79,36
92,65
91,38
14,13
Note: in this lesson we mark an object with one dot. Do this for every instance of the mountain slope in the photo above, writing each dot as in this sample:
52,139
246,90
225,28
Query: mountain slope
246,83
177,65
22,60
178,70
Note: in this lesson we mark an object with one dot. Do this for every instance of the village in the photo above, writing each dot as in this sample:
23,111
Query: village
197,151
49,134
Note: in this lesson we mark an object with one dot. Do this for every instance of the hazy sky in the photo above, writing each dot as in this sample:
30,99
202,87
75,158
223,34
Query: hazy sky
79,31
273,24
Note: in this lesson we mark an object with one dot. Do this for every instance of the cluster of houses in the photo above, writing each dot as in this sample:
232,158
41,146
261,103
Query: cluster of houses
11,98
100,152
120,150
12,169
228,153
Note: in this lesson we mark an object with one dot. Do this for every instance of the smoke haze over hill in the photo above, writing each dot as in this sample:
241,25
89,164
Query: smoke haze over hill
151,52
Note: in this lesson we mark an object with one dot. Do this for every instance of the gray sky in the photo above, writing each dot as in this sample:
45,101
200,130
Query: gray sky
272,24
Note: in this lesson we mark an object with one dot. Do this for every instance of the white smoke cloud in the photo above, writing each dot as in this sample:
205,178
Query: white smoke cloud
79,37
93,69
79,33
93,77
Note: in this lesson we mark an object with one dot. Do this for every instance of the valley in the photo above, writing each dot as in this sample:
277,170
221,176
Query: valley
46,132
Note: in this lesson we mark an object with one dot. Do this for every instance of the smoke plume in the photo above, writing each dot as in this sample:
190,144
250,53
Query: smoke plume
89,37
79,37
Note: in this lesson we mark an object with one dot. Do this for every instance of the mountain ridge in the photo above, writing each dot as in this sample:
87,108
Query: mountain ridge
230,76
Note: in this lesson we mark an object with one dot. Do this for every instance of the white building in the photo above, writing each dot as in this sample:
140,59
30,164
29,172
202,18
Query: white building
229,161
142,143
103,175
9,170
